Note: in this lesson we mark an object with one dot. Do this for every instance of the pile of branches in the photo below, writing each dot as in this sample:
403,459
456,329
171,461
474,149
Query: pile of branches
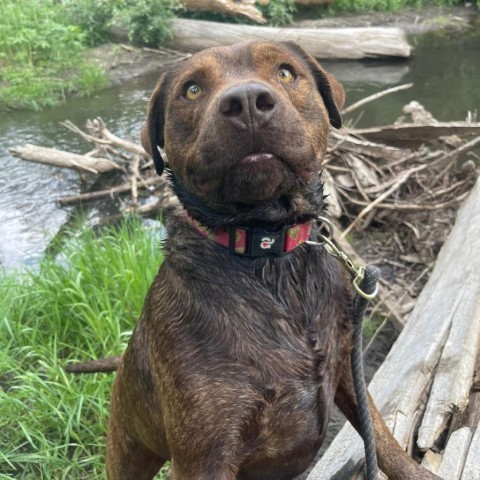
393,190
397,200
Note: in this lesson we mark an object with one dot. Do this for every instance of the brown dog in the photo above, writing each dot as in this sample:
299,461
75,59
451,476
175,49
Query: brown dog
238,356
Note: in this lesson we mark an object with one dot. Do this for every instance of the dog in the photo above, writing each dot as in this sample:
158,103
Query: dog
243,344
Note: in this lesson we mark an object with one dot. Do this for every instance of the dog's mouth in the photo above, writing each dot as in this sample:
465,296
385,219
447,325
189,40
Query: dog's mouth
254,177
254,160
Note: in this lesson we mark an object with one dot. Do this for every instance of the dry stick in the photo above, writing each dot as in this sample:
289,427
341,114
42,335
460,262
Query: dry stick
407,206
110,192
412,206
431,155
347,247
136,174
371,98
403,178
167,51
398,301
375,335
443,191
89,138
98,125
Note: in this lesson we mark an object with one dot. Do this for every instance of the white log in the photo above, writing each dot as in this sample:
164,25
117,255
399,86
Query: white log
239,8
471,470
401,384
455,454
59,158
454,373
352,43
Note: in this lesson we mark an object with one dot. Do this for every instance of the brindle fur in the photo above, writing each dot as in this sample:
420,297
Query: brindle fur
235,363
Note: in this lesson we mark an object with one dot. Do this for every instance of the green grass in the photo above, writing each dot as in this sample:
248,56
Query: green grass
41,58
82,306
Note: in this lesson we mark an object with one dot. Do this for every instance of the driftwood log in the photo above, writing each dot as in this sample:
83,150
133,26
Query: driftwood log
408,134
60,158
241,8
432,363
347,43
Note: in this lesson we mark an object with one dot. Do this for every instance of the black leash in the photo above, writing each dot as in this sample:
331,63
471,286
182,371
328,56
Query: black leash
365,284
369,286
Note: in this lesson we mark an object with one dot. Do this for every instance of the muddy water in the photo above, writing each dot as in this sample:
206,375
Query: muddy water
445,71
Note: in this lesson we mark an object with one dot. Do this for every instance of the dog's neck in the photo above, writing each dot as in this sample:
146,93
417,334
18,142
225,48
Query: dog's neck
274,214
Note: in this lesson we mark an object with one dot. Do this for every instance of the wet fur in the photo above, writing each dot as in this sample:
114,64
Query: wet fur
235,363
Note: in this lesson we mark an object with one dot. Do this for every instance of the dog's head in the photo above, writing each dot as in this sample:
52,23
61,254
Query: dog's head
244,125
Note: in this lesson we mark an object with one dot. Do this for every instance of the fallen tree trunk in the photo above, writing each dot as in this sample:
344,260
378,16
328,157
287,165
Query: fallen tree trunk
351,43
59,158
242,8
443,330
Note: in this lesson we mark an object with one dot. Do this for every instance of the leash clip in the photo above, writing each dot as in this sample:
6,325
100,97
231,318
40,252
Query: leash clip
357,273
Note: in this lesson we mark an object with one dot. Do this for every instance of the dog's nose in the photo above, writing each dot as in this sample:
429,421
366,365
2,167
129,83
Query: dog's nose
250,104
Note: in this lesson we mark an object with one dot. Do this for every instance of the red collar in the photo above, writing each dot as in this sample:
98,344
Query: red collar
256,242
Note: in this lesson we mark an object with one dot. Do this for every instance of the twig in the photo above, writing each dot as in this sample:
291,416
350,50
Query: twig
136,174
98,125
110,192
371,98
400,181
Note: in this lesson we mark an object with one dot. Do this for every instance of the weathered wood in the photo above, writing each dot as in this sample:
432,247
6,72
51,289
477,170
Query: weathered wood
407,133
242,8
111,192
371,149
455,454
105,365
97,125
375,96
401,385
471,469
454,373
352,43
59,158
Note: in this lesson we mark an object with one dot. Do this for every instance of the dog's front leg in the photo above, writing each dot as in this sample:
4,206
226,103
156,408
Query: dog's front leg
392,459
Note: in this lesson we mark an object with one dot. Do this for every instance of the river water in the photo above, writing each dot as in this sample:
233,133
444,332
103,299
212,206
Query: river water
445,70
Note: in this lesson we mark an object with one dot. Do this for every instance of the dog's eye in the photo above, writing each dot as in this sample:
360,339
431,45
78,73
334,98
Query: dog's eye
286,75
194,91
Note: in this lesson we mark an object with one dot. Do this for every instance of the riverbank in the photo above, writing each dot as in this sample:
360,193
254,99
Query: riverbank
122,62
43,73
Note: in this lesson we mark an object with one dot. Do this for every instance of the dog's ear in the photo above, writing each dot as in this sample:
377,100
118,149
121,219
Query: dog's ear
152,134
329,88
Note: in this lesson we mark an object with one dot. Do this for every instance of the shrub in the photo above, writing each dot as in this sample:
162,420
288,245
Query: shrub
147,21
279,12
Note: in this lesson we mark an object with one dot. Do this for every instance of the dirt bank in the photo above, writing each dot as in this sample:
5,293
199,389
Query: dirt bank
123,62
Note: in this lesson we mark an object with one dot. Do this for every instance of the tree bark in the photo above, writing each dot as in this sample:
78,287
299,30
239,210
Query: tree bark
240,8
348,43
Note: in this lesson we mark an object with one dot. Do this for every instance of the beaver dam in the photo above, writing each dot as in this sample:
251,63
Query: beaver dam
406,198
